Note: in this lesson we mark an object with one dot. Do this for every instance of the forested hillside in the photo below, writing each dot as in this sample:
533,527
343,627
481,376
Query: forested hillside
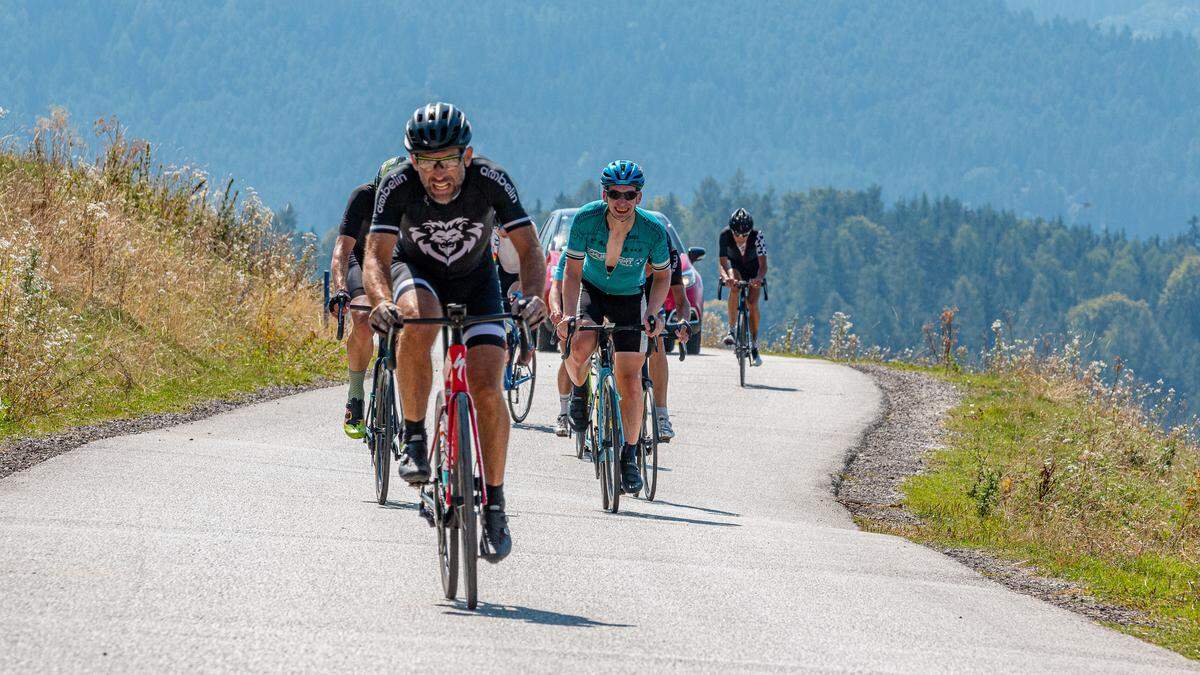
895,268
962,97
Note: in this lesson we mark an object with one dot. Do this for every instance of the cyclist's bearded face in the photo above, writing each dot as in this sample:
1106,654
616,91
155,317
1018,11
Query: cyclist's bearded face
442,171
622,208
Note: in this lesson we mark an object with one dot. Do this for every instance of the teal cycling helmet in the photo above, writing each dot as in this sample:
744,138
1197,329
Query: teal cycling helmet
622,172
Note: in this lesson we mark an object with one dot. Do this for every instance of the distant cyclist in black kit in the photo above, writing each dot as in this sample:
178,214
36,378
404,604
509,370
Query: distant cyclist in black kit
346,268
431,244
743,258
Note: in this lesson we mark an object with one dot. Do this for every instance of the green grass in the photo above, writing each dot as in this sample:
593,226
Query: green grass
1035,472
196,379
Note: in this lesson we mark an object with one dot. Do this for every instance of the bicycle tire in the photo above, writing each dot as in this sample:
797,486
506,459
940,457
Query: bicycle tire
648,446
743,339
617,446
383,431
447,533
468,516
520,397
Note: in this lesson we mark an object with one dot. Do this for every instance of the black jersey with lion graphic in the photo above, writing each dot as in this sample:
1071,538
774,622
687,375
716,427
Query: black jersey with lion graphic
449,240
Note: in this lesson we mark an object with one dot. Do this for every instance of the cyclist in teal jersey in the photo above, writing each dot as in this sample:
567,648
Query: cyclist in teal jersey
610,244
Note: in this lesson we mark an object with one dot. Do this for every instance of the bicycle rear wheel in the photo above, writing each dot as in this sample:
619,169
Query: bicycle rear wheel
383,430
447,531
648,446
466,501
520,396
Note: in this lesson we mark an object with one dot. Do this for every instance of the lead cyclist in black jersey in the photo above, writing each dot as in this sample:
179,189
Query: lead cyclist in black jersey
430,244
743,258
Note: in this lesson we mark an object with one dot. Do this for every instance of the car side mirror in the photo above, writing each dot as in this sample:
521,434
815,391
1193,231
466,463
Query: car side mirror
696,254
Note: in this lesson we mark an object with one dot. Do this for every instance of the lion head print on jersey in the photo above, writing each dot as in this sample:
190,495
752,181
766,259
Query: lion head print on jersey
450,240
446,242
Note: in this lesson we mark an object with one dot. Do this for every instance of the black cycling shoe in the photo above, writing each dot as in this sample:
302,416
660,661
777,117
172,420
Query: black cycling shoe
353,424
578,413
413,466
496,542
631,477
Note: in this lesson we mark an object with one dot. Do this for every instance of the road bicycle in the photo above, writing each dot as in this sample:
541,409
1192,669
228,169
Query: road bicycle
648,445
519,378
604,437
455,497
741,331
384,410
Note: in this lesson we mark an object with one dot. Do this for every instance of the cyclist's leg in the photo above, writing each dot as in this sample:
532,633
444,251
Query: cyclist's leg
660,375
752,303
627,366
358,344
591,312
417,298
630,354
731,303
358,352
486,355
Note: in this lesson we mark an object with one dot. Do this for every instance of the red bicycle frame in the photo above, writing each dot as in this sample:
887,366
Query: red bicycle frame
454,372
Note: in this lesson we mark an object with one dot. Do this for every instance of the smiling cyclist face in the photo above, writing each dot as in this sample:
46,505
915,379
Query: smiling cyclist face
621,200
442,171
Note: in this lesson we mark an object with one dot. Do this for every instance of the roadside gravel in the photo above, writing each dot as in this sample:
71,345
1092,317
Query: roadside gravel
20,454
894,447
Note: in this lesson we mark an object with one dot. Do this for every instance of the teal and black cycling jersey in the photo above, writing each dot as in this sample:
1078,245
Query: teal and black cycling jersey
646,243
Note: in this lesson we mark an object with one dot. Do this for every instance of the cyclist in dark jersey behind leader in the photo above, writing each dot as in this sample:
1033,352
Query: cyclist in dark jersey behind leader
743,258
430,244
346,268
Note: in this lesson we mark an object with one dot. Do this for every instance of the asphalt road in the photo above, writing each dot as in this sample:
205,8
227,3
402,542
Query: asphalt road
251,541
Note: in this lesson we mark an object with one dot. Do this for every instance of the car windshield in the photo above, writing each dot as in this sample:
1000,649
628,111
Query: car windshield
558,226
670,231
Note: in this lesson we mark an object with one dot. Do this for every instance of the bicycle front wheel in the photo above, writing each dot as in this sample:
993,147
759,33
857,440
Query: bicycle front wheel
447,531
743,347
383,430
611,466
520,393
466,501
648,446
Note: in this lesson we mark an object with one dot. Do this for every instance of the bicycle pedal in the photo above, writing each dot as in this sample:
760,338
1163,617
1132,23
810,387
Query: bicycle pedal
426,514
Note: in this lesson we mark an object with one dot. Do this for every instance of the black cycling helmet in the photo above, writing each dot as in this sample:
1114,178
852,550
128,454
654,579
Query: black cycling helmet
437,126
741,222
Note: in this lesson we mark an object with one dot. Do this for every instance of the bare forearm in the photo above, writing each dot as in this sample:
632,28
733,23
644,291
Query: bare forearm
570,295
661,283
533,276
339,264
682,308
377,277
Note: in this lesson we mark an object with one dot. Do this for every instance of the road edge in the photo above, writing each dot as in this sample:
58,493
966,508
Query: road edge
913,406
19,454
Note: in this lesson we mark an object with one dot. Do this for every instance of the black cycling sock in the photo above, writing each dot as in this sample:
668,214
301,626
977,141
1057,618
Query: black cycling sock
578,391
495,495
629,454
414,429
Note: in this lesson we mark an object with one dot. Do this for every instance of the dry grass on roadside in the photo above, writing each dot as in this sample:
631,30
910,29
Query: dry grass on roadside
122,282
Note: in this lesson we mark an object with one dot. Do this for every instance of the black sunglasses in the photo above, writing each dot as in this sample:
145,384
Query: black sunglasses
617,195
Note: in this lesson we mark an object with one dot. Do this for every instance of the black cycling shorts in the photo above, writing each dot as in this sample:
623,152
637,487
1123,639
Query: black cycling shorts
479,291
354,280
623,310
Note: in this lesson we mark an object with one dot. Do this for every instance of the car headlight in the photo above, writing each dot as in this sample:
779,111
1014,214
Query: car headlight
689,278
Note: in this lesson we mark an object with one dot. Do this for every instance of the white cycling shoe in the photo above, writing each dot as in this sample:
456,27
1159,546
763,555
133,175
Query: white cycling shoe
665,432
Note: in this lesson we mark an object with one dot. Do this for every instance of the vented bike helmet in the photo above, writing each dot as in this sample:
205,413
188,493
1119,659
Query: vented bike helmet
437,126
741,222
622,172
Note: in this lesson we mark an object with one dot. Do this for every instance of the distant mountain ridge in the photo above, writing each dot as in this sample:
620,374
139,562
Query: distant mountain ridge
946,97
